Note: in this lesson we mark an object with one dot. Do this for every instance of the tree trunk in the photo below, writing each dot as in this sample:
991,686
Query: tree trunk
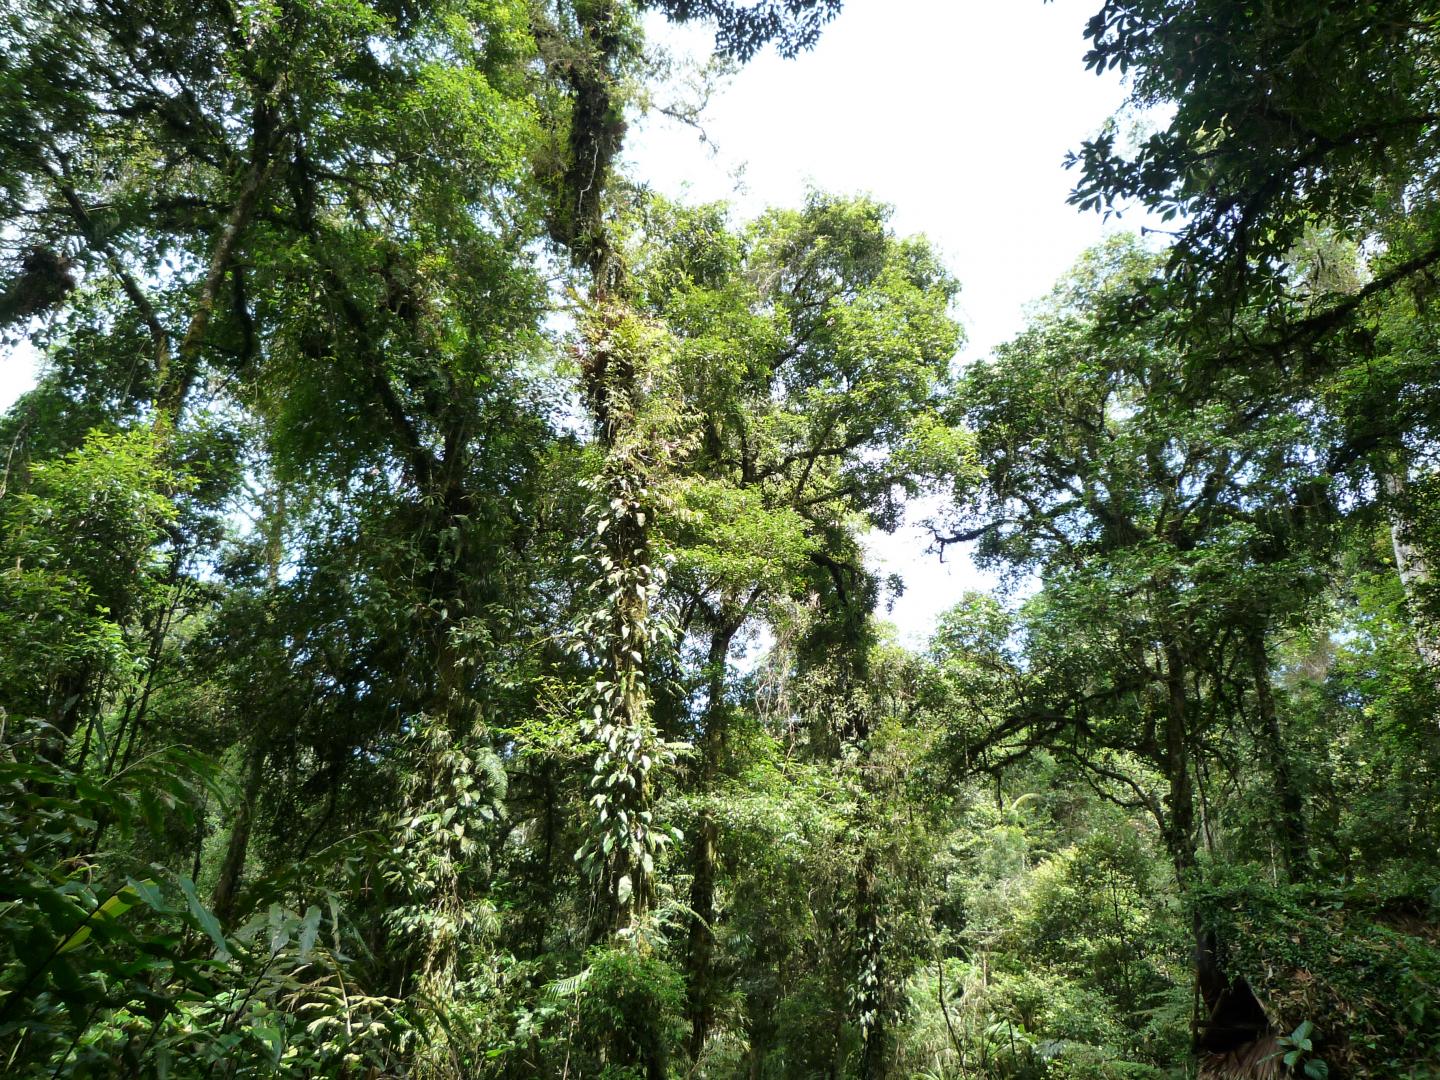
174,376
546,874
873,1063
1411,563
1293,835
227,888
68,700
702,889
702,934
1232,1016
1180,838
1180,801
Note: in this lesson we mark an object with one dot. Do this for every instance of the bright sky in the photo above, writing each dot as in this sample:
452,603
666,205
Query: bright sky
959,112
17,373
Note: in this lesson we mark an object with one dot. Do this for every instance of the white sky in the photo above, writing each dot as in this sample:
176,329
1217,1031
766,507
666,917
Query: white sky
958,112
17,373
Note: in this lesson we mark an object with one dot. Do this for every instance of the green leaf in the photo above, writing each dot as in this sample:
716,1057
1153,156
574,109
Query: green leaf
309,930
118,904
273,1040
149,894
203,916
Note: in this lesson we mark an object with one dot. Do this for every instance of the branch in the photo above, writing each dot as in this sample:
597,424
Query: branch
91,235
173,382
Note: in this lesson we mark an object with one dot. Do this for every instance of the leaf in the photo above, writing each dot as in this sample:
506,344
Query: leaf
203,916
623,889
567,987
1316,1069
333,902
118,904
149,895
273,1040
309,930
279,928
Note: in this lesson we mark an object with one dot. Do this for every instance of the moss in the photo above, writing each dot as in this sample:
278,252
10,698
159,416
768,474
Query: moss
1361,964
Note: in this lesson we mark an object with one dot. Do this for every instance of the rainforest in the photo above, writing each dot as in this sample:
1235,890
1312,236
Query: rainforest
440,629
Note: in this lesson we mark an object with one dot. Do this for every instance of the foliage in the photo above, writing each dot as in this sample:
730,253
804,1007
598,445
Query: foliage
437,637
1364,957
103,968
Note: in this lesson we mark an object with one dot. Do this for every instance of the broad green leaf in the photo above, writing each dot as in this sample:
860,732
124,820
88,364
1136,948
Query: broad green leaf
204,917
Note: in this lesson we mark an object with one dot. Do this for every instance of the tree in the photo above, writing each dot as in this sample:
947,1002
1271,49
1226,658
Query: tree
438,636
1321,115
1173,538
813,351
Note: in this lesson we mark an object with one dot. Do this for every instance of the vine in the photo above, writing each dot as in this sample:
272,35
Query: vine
621,631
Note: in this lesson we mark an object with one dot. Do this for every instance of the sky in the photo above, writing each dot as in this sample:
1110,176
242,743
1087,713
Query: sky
958,113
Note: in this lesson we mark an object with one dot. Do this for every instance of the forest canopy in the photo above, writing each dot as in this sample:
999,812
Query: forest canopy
437,638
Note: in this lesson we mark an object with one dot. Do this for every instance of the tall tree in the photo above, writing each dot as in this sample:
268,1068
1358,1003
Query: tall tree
1172,536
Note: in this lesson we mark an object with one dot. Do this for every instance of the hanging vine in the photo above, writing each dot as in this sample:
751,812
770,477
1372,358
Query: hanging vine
621,632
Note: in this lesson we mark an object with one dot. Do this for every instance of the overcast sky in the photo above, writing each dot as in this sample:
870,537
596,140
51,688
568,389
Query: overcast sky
958,112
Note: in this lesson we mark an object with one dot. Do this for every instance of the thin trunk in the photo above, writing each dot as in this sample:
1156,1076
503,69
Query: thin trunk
873,1058
872,998
1180,837
136,705
1411,563
1290,824
85,746
702,889
1231,1015
547,852
227,888
174,375
760,1007
94,731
